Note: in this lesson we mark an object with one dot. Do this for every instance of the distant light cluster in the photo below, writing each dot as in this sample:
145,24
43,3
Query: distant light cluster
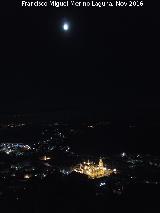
50,153
15,125
93,170
14,148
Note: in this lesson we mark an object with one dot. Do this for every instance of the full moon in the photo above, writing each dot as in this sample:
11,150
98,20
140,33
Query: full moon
65,26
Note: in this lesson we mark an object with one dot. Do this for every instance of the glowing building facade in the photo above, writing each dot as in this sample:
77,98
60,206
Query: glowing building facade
93,170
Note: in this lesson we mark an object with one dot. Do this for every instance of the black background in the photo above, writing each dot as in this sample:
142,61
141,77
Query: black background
108,58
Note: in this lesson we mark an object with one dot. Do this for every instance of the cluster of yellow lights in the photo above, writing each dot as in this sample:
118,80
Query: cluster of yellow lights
45,158
93,170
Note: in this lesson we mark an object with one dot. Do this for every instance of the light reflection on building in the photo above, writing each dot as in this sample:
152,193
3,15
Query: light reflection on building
93,170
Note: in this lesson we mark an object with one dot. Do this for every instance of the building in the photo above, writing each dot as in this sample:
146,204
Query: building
93,170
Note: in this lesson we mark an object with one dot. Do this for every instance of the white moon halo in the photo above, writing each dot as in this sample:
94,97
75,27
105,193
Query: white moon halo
65,26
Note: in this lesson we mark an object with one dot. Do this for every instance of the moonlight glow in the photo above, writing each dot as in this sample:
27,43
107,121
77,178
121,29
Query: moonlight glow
65,26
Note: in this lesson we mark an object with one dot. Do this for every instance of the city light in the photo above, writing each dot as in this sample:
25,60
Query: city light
93,170
27,176
123,154
45,158
102,184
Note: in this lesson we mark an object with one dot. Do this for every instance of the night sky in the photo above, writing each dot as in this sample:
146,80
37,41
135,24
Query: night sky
107,57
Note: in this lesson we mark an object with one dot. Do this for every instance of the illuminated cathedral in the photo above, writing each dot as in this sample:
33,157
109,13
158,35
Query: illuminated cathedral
93,170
